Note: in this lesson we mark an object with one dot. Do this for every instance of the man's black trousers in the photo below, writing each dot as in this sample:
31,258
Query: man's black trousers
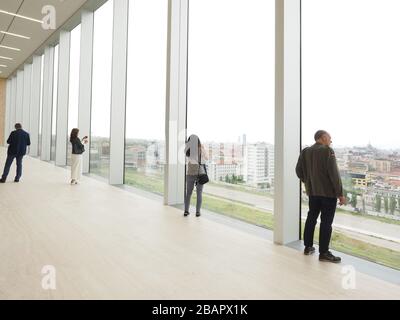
327,207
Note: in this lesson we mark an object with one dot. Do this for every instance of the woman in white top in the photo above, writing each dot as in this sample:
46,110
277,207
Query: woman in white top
196,156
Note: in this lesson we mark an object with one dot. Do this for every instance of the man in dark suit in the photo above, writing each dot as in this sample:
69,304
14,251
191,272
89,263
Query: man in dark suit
18,141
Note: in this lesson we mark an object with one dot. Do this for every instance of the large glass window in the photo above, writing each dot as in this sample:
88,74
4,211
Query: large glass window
351,76
54,111
231,104
145,109
41,105
101,94
73,84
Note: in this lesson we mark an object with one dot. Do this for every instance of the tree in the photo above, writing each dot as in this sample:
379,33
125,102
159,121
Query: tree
346,195
227,179
353,200
386,202
392,204
378,203
234,179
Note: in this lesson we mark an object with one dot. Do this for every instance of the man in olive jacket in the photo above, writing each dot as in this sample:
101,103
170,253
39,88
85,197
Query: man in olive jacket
318,170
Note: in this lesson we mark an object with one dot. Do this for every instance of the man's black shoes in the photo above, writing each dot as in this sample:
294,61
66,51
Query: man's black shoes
2,180
309,250
186,214
16,180
329,257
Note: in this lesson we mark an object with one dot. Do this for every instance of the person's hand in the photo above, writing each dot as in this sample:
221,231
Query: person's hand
342,200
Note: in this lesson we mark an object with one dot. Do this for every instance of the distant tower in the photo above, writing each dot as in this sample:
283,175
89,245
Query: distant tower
244,143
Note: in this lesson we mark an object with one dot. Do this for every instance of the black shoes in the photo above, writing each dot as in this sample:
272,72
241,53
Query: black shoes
4,180
309,250
187,213
329,257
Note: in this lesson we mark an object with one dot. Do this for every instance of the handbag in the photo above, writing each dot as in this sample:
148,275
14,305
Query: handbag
77,147
202,178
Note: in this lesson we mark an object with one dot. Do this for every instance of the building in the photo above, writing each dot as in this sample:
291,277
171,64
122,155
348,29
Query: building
218,172
360,180
155,155
259,164
381,165
135,156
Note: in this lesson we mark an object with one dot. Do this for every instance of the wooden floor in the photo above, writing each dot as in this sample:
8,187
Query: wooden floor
107,243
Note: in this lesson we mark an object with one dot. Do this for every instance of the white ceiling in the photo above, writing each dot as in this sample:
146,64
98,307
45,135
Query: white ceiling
31,8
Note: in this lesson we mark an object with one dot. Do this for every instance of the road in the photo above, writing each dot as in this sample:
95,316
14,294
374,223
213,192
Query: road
373,231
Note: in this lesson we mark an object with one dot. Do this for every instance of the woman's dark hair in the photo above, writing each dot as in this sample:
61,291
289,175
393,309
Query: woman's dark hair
199,145
74,134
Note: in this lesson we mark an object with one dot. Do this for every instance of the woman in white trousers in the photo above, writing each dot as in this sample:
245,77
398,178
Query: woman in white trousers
76,158
76,168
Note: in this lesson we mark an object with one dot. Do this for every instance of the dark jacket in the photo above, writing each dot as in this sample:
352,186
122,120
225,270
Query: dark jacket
317,169
18,141
77,146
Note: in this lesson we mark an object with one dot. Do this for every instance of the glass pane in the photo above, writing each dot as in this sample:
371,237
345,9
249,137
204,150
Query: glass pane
41,106
231,104
351,76
145,109
101,90
73,85
54,112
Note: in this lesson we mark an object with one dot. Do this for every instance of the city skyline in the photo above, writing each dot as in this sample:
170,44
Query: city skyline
233,141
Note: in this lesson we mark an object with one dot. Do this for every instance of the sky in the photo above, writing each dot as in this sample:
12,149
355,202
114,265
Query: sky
102,60
231,70
351,70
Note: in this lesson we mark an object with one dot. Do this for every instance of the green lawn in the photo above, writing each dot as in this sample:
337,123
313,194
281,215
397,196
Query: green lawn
101,170
237,210
364,250
242,188
152,184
